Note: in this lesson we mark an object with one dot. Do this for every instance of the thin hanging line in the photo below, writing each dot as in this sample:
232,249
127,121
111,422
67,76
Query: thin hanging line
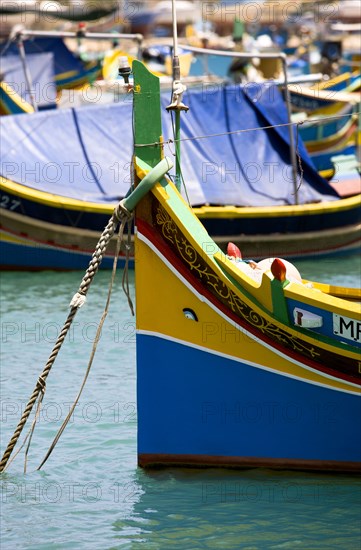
94,347
299,161
299,123
180,168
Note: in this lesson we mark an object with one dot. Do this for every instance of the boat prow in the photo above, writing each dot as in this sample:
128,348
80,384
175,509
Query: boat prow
233,371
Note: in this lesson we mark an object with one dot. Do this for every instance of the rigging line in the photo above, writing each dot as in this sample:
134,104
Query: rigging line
283,124
214,135
32,428
95,345
173,153
299,161
185,188
30,432
131,164
125,279
120,213
7,45
180,168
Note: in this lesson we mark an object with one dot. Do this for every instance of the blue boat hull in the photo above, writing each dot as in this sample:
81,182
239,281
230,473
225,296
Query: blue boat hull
31,258
212,410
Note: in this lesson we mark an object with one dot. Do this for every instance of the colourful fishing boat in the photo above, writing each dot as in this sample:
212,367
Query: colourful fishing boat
70,71
344,88
233,371
239,364
63,171
11,103
324,140
27,87
325,124
332,130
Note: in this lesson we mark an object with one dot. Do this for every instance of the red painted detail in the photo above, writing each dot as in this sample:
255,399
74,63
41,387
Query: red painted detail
278,270
318,146
145,229
32,242
347,186
233,251
148,460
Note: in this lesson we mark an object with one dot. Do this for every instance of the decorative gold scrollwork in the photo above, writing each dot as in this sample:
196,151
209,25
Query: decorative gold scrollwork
195,262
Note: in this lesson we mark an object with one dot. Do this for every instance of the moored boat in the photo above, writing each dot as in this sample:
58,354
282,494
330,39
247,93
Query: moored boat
70,71
338,90
11,103
62,172
233,371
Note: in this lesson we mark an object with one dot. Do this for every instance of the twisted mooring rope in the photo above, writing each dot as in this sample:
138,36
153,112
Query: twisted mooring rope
120,215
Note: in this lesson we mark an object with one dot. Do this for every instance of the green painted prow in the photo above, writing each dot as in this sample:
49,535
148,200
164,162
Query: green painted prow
147,115
146,131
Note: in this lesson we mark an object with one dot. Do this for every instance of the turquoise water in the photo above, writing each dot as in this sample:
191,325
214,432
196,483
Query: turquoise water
90,493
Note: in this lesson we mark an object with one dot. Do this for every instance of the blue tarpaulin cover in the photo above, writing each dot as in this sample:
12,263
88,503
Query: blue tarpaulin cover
41,69
85,153
64,59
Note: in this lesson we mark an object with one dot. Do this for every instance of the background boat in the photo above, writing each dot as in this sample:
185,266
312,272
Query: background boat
342,89
16,97
328,133
63,171
68,70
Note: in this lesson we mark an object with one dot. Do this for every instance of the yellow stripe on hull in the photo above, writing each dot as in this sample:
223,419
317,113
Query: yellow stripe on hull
6,237
55,201
14,100
220,212
214,331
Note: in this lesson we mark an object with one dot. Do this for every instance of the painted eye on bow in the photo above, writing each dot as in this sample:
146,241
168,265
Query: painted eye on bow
189,314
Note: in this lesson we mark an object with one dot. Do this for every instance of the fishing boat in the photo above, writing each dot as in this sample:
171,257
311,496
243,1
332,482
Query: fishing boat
330,132
330,93
63,171
233,371
45,65
49,14
70,71
11,103
332,126
16,95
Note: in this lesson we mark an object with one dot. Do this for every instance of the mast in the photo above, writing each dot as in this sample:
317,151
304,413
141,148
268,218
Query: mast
176,104
28,79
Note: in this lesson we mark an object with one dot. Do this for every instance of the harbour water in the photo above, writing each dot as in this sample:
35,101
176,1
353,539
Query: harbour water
90,493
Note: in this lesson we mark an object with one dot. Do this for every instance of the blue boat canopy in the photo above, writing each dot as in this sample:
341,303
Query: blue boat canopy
64,59
85,153
247,168
41,68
